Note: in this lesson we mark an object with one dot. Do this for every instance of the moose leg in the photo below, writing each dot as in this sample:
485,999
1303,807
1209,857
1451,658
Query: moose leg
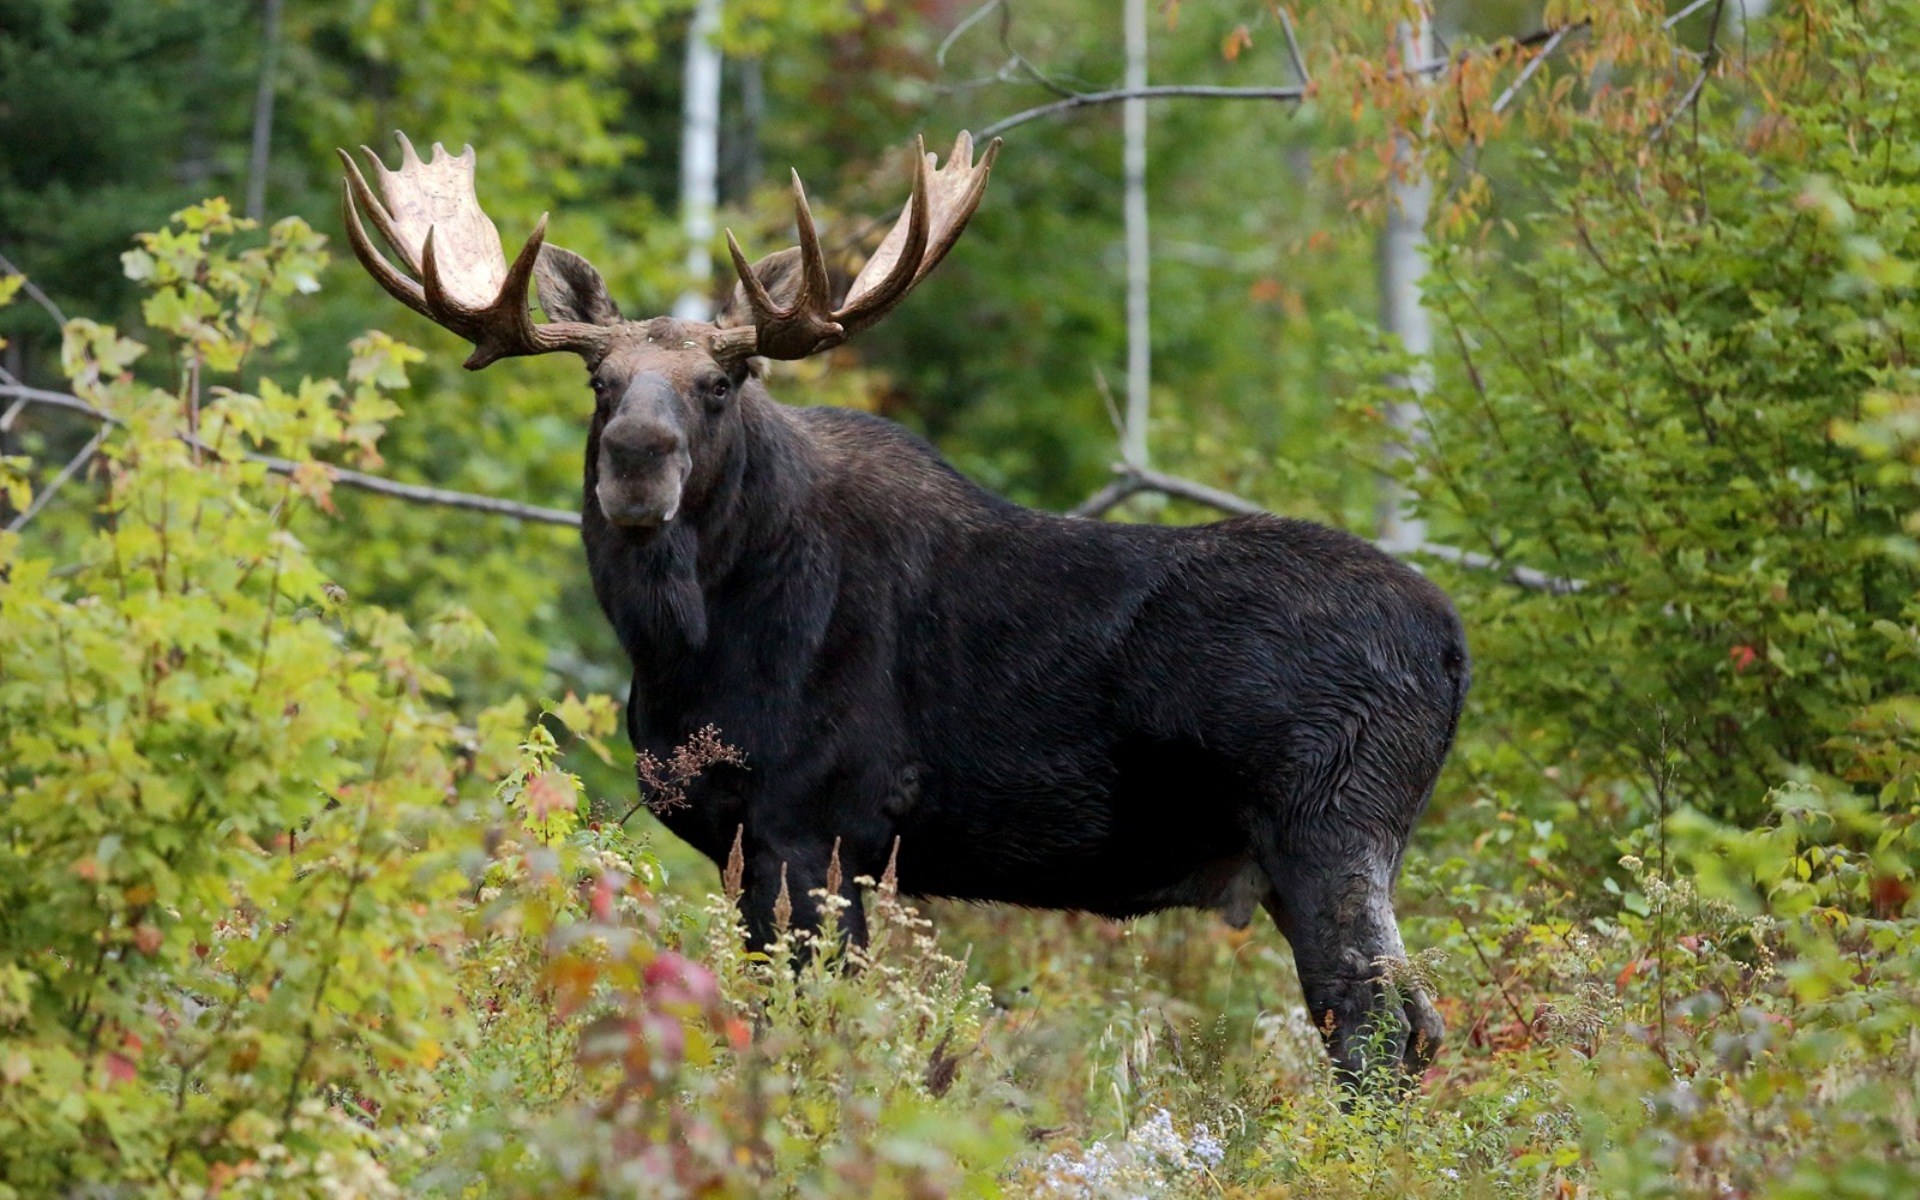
799,870
1336,910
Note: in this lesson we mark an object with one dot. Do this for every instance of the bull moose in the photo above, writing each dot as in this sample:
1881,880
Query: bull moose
1027,708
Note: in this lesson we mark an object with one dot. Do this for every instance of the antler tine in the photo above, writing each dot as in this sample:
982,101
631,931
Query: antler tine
864,307
397,285
428,214
937,211
757,298
816,293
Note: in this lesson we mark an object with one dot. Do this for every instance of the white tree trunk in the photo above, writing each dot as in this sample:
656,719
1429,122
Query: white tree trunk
1139,327
258,158
700,157
1403,245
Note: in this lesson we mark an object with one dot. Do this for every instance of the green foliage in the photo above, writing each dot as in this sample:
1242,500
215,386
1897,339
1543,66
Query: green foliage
1647,403
228,840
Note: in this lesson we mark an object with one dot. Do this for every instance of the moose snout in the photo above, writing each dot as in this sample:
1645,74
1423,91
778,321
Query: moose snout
643,467
636,451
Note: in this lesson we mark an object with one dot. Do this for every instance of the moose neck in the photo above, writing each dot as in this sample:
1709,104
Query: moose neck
745,518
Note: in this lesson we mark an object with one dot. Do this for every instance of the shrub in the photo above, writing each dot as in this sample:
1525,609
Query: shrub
1639,389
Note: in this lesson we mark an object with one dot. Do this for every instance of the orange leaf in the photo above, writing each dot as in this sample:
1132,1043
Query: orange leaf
547,793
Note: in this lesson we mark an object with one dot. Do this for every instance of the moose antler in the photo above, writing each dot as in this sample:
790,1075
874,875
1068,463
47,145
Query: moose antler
432,219
937,212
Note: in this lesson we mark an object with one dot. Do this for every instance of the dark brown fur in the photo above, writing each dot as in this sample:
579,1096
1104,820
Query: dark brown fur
1041,710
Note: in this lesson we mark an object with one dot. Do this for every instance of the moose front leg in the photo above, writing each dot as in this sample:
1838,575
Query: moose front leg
780,881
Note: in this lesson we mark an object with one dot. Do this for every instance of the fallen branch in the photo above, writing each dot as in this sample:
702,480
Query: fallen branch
1131,481
412,492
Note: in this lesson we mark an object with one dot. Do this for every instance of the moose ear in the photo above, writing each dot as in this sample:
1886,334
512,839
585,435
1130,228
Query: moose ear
571,290
779,273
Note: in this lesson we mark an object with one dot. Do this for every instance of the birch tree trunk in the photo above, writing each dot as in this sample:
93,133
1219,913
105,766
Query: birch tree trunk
1139,271
700,157
257,159
1403,244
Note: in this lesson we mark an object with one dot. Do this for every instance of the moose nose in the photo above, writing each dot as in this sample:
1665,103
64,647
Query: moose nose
642,448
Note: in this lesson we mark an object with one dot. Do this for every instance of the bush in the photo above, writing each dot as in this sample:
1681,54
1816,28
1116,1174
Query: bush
1640,390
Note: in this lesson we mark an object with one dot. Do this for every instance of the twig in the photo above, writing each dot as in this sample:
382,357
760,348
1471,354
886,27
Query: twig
1293,47
413,492
1107,497
1187,489
1292,94
1686,102
33,292
420,494
66,400
1132,480
1493,977
1156,92
1684,13
972,19
1513,89
1708,60
73,467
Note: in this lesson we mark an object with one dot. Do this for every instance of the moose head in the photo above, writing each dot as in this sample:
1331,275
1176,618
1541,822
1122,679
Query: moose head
664,388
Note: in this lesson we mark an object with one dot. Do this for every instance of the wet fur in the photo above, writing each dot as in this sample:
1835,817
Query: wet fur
1045,711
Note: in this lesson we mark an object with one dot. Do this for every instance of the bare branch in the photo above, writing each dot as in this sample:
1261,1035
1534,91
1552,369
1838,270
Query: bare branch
412,492
973,18
72,403
1187,489
420,494
1708,60
1293,46
74,466
1130,481
1513,89
33,292
1684,13
1157,92
1108,497
1431,66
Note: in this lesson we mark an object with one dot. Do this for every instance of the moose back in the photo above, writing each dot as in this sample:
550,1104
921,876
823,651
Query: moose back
1033,709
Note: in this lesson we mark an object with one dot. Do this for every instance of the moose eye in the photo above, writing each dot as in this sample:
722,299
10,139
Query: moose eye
718,389
601,391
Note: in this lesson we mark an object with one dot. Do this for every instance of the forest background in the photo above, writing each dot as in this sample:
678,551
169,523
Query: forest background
301,896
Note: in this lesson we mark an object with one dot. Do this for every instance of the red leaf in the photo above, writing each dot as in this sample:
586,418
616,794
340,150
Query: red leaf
120,1068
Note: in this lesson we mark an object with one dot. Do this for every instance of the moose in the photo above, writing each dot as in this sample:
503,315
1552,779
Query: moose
1006,704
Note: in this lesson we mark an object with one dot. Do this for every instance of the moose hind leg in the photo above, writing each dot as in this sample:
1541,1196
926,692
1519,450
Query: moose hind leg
1336,910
